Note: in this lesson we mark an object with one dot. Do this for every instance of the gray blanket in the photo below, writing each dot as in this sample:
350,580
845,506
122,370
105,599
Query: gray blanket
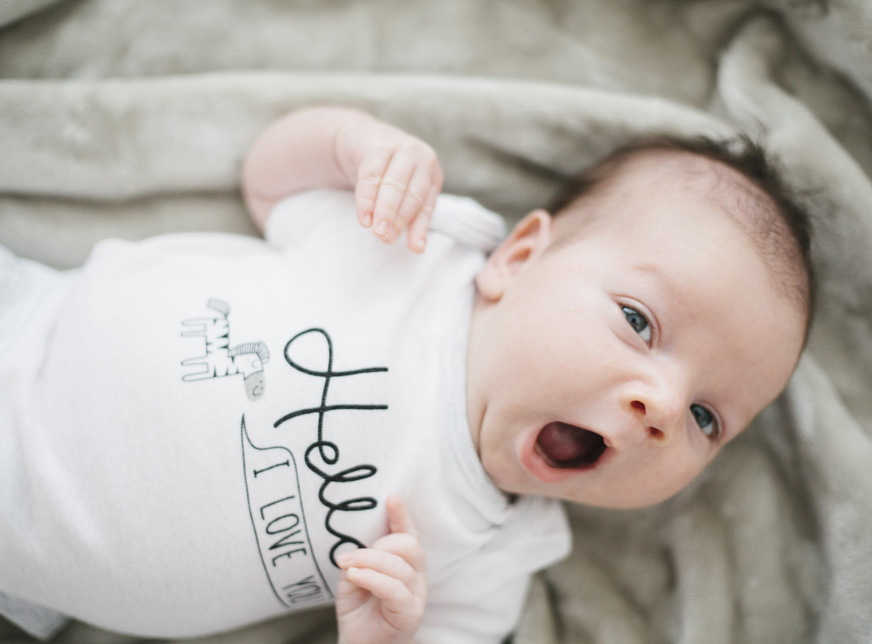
130,118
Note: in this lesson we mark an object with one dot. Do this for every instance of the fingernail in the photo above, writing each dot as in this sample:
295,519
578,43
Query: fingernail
367,220
343,559
382,230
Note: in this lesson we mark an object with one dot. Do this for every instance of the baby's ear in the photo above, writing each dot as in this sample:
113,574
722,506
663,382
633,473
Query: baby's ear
530,237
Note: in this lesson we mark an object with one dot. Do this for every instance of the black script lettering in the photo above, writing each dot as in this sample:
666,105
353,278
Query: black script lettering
272,503
293,517
356,473
279,523
289,554
287,541
303,589
267,469
328,451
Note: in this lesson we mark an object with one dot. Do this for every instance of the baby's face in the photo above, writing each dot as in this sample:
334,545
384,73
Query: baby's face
610,368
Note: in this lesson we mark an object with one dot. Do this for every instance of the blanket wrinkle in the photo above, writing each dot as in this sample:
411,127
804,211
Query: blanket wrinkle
837,453
837,31
128,119
795,135
13,10
123,138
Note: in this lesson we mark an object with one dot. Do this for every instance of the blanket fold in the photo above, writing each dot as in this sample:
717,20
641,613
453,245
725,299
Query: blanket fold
127,119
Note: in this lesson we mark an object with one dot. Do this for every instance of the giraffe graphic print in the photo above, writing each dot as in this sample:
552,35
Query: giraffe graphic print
219,359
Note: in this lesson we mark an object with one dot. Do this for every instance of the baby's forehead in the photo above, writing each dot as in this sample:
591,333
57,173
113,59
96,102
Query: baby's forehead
698,176
687,178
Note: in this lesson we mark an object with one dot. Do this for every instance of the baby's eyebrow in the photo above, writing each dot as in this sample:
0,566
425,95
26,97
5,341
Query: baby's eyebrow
665,280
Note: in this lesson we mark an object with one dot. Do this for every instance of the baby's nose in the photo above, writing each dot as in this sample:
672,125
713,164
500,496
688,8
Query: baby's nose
659,417
659,405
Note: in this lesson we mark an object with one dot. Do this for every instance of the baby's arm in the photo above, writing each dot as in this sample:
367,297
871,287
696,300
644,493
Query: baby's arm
396,177
383,589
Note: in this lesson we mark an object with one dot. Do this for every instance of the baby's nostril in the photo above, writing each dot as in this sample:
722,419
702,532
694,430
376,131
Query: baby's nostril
638,406
656,434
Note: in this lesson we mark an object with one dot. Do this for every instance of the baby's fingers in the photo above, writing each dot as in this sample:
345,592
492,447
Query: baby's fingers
394,188
399,519
392,191
401,608
416,210
369,178
381,186
383,562
396,595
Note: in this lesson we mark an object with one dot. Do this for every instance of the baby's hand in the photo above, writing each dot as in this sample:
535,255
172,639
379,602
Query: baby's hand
383,589
397,178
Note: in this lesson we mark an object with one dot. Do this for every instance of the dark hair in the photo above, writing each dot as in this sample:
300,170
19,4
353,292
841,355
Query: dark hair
748,159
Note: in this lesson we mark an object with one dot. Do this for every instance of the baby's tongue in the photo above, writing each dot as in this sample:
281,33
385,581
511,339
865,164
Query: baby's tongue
563,442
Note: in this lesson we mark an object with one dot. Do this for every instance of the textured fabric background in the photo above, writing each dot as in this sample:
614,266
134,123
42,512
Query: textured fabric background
129,118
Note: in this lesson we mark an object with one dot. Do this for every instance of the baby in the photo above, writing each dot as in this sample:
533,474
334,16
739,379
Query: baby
202,431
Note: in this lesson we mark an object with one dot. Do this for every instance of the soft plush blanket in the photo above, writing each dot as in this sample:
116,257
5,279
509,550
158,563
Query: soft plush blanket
130,118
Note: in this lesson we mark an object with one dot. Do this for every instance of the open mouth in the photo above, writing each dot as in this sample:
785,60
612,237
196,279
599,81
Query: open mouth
564,446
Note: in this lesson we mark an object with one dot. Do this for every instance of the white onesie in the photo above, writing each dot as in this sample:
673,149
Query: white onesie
192,427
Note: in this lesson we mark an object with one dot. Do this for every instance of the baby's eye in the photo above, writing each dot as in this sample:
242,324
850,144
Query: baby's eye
639,323
706,421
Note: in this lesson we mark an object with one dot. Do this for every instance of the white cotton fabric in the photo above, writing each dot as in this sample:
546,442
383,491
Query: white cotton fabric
196,422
